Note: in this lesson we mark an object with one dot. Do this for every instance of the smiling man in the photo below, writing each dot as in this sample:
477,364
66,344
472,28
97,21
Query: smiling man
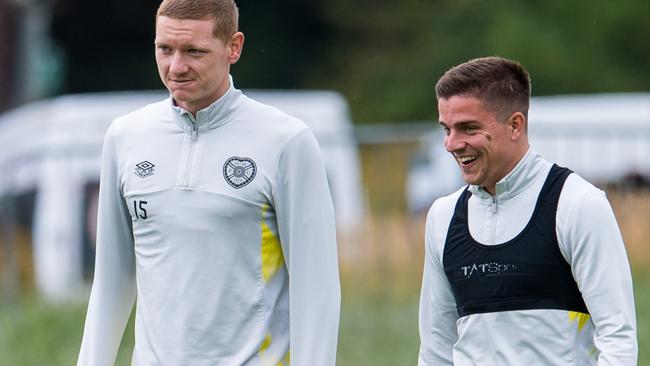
525,265
215,217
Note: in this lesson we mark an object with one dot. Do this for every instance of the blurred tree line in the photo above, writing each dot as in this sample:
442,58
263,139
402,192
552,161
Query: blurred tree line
385,56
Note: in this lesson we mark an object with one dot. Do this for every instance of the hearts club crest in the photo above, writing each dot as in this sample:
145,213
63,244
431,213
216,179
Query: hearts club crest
239,171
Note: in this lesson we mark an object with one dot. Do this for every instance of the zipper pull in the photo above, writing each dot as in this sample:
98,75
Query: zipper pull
192,122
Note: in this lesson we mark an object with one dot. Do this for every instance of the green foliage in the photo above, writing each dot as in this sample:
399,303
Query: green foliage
392,53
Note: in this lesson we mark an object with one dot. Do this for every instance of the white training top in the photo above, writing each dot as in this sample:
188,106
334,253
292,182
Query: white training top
223,227
589,240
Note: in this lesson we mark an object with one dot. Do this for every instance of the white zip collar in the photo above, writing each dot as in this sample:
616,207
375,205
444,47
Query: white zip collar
519,178
217,114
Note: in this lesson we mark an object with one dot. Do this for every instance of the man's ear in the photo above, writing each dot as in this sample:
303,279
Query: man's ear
235,47
517,123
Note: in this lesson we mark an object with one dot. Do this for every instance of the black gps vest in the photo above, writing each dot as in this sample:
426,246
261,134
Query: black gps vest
527,272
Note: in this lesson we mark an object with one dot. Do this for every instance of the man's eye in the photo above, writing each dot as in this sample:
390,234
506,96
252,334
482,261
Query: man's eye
164,49
446,131
193,51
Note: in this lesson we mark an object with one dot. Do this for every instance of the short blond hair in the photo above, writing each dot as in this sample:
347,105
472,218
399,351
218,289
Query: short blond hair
224,13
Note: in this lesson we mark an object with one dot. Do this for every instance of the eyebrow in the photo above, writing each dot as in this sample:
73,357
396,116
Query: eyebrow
460,123
192,46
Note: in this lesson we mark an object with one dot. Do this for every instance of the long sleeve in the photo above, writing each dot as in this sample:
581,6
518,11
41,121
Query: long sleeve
308,236
113,290
438,315
592,243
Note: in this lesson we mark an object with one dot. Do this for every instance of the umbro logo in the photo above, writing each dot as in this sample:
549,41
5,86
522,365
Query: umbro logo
144,169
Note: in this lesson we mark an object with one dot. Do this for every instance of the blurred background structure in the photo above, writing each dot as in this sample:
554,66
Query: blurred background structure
590,66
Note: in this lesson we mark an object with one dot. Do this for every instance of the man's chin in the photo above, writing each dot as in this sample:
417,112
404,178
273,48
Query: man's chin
181,96
470,179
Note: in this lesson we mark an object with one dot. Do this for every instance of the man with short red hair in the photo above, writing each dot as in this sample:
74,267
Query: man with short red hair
215,215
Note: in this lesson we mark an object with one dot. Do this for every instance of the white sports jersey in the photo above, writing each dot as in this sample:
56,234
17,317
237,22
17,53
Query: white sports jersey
223,227
589,240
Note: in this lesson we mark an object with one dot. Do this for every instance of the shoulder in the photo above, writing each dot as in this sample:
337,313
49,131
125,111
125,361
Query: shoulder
443,208
439,217
271,120
585,219
141,118
577,190
581,201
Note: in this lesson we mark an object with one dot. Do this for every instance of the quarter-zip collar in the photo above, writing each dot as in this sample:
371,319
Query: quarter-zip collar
217,114
519,178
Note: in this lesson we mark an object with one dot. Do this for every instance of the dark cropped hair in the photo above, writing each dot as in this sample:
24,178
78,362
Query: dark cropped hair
224,13
502,85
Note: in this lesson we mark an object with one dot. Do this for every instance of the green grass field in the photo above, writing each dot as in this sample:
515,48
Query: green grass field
377,328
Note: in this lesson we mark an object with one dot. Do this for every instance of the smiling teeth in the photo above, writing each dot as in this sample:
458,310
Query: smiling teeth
467,159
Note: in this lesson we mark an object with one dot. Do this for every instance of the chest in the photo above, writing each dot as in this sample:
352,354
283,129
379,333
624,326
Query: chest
218,163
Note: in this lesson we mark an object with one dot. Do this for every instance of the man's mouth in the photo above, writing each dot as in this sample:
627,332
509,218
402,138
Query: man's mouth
179,81
466,160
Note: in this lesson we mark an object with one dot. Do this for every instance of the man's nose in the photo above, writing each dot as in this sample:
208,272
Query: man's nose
453,142
178,65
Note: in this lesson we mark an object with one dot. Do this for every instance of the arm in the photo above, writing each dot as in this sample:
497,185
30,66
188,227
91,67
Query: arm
113,291
438,314
592,243
306,224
